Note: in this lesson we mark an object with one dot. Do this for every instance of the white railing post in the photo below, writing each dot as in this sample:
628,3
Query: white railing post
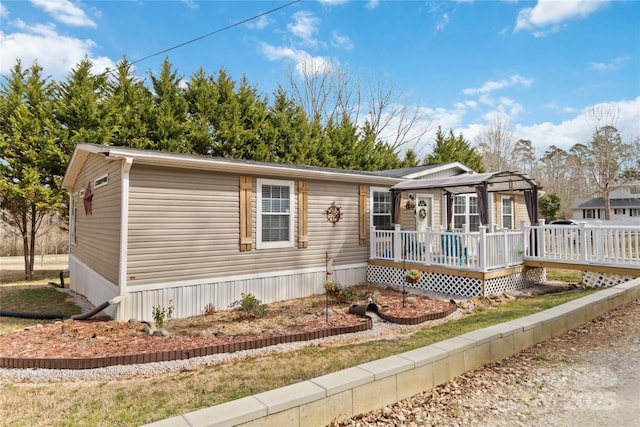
523,231
599,242
428,248
397,247
583,242
372,242
505,248
540,240
482,248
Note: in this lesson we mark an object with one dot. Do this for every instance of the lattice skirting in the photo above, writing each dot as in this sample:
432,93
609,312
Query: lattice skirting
455,285
603,280
443,283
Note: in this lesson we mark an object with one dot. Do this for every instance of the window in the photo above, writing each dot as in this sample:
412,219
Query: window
381,209
507,212
465,211
618,211
99,182
274,217
591,213
634,212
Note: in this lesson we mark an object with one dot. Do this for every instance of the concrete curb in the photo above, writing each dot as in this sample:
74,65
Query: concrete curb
376,384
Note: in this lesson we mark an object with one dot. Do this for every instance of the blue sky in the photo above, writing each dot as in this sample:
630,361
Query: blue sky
540,64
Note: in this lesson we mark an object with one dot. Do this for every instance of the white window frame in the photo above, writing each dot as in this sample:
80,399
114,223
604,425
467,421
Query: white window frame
101,181
292,207
372,214
503,214
467,214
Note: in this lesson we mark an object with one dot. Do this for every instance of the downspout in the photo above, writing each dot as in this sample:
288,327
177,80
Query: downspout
124,232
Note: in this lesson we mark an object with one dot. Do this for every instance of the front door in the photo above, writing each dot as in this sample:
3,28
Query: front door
424,212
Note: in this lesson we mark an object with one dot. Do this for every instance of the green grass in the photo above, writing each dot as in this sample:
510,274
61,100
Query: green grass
34,299
568,276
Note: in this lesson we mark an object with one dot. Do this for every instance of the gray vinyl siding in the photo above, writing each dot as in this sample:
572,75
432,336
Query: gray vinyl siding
99,234
184,225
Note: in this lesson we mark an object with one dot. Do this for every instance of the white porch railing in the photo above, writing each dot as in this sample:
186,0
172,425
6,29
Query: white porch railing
483,251
478,251
586,244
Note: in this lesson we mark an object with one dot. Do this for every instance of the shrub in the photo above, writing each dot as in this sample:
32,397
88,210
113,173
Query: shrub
160,314
348,294
209,309
249,306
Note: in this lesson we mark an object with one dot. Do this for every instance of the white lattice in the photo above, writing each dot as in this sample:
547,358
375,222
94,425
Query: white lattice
499,285
443,283
603,280
535,275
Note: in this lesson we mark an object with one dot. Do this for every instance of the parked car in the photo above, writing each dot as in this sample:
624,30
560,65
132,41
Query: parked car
564,222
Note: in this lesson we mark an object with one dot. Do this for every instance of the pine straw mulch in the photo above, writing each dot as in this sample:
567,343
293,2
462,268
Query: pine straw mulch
82,339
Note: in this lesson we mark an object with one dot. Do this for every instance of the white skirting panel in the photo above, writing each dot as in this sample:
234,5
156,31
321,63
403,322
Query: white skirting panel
191,299
93,286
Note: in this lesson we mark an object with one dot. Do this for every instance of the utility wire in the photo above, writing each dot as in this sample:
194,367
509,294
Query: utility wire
214,32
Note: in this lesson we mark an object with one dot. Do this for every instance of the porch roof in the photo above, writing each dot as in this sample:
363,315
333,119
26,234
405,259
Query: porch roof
467,183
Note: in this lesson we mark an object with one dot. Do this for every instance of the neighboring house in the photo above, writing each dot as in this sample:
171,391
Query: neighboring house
166,229
625,207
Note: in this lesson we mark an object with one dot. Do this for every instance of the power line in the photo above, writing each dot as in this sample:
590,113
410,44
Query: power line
215,32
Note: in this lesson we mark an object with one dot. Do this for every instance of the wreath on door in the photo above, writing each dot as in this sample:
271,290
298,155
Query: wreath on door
422,213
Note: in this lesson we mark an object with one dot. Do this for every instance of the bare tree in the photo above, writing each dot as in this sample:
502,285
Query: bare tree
330,93
496,143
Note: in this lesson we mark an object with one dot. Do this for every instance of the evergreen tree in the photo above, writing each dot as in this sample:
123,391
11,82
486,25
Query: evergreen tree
33,163
450,148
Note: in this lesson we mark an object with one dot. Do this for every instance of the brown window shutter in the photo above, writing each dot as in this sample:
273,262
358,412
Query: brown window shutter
362,214
303,207
245,213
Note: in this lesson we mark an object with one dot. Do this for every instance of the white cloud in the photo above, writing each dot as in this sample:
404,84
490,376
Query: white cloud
372,4
191,4
332,2
65,12
56,53
491,86
443,22
339,41
260,23
550,13
4,13
611,66
303,62
304,26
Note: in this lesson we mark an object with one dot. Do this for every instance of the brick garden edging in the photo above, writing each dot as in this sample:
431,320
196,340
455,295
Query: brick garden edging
420,319
165,356
250,344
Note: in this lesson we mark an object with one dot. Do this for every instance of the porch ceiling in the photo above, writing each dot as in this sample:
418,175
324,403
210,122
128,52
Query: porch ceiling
467,183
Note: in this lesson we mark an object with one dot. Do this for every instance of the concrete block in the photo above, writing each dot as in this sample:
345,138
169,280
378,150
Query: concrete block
289,418
440,370
322,412
386,367
502,348
415,381
454,345
228,414
456,365
522,341
170,422
424,355
476,356
346,379
377,394
290,396
481,336
541,333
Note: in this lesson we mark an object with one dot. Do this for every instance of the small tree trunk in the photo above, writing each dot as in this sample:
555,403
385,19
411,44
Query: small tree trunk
32,244
25,246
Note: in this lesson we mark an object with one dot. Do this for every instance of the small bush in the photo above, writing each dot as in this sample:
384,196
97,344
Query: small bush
249,306
348,294
160,314
209,309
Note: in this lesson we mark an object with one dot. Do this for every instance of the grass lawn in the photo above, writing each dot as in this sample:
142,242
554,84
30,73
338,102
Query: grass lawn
139,400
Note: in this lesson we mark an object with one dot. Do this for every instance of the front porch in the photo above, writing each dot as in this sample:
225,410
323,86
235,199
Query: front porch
487,263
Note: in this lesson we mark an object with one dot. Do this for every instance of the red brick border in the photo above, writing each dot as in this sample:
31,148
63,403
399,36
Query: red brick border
163,356
420,319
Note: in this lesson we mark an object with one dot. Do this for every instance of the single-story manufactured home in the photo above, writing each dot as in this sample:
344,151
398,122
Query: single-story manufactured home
166,229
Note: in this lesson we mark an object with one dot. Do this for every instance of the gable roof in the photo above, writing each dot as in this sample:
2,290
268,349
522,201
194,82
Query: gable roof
194,161
467,183
417,172
598,202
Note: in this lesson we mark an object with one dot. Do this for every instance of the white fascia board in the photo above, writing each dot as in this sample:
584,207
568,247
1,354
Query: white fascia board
440,168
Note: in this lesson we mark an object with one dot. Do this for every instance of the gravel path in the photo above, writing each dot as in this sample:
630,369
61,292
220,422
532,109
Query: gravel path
587,377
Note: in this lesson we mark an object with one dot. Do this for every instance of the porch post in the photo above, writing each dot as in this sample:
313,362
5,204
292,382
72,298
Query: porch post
427,246
540,233
482,249
372,242
505,248
397,247
583,243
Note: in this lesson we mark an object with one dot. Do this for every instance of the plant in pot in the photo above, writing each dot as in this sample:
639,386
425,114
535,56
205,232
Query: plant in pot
333,287
413,276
